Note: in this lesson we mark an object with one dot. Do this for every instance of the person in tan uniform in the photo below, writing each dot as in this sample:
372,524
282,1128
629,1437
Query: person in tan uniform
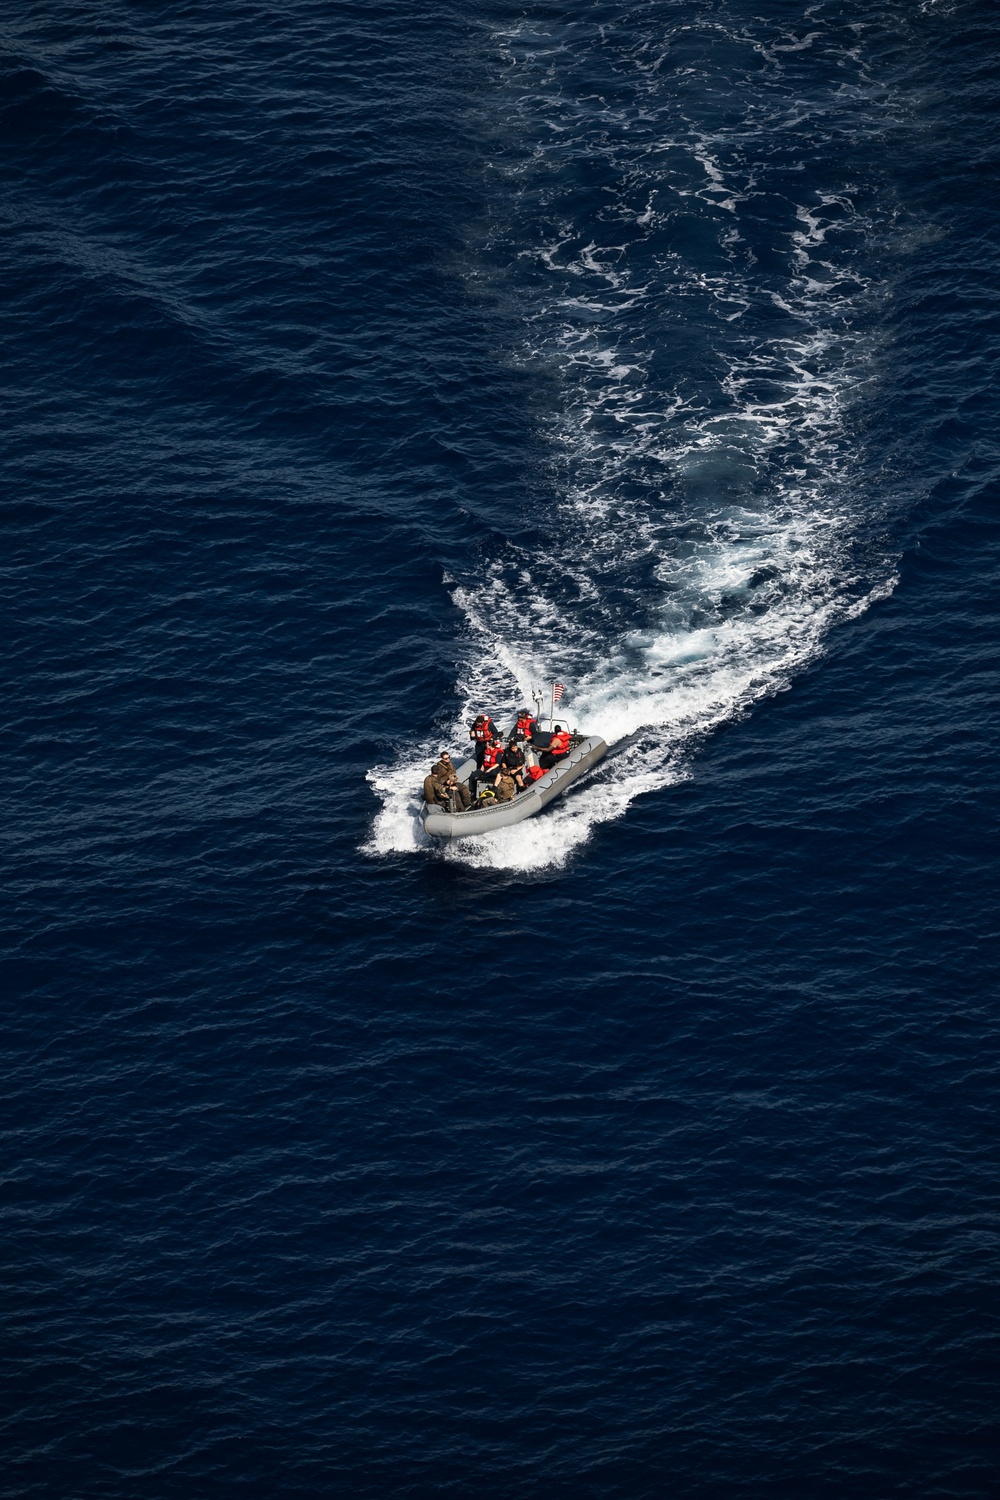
442,786
460,791
506,787
432,789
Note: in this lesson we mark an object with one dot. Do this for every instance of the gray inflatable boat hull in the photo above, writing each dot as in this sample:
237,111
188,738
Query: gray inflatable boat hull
442,824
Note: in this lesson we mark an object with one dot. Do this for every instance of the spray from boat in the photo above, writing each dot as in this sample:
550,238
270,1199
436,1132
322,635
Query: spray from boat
703,330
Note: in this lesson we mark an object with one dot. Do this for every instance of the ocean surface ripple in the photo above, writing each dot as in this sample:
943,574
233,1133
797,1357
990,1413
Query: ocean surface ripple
366,366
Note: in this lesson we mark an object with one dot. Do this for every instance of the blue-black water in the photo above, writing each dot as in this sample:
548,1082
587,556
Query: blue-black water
363,366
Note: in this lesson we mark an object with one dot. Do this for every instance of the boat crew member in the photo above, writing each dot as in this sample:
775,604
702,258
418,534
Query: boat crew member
444,767
505,786
482,730
558,748
459,796
488,766
444,790
434,792
512,761
526,724
491,762
491,759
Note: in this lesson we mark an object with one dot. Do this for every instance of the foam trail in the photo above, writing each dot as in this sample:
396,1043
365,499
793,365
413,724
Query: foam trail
707,501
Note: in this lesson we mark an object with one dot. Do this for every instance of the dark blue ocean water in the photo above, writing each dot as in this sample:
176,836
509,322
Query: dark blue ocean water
364,365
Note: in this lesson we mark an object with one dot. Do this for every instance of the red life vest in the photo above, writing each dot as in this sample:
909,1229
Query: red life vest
481,731
491,755
526,727
559,743
535,772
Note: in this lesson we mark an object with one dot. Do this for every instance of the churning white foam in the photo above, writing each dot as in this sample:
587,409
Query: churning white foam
704,524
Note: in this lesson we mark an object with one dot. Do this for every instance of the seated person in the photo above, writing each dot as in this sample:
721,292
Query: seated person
490,767
558,748
459,796
512,761
446,791
434,792
506,787
446,772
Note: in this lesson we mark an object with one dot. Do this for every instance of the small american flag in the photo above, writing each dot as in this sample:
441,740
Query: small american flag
557,691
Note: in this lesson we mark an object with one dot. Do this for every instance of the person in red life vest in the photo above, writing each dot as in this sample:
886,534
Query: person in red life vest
491,756
482,730
490,764
558,748
525,726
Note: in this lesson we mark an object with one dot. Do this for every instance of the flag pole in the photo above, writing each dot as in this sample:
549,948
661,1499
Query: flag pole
552,708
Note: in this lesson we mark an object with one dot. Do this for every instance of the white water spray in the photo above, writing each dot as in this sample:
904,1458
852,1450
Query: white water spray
704,538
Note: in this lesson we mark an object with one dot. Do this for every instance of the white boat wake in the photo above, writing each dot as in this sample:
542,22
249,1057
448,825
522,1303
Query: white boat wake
704,441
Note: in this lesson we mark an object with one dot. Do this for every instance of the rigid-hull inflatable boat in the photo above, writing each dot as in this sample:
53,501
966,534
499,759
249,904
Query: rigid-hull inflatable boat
442,824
